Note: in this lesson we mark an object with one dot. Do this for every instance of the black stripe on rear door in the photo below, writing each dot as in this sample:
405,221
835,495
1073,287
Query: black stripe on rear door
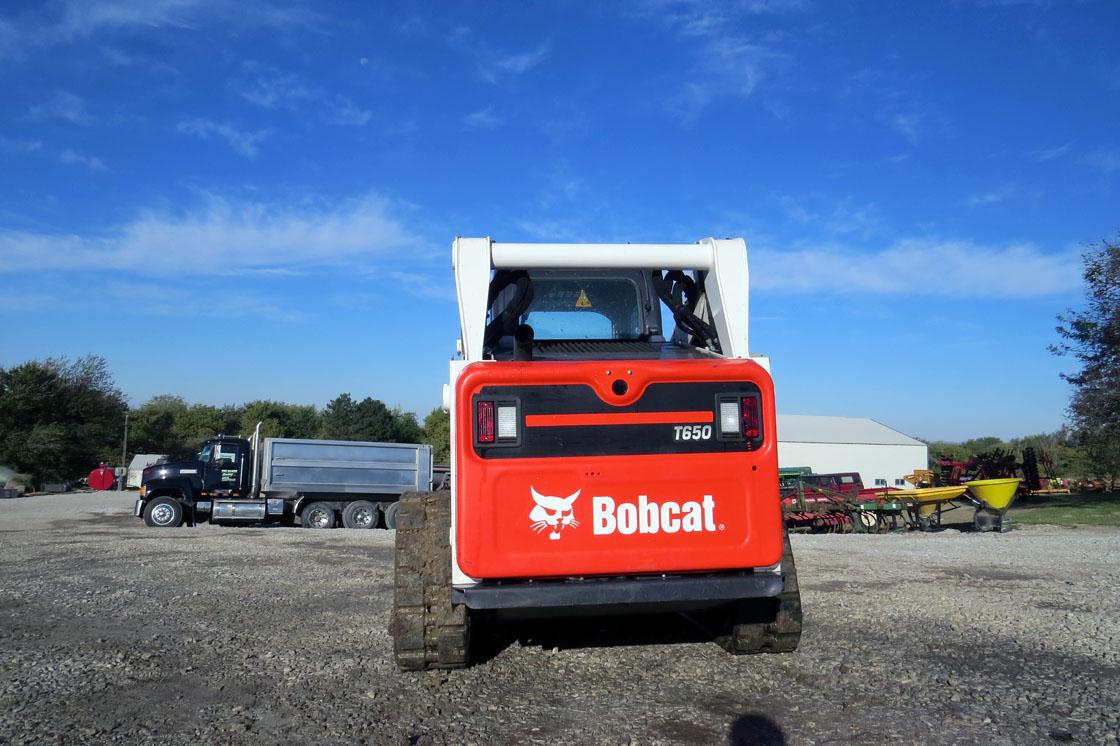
610,440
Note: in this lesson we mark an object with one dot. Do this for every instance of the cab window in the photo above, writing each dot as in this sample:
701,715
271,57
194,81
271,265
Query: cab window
227,455
584,308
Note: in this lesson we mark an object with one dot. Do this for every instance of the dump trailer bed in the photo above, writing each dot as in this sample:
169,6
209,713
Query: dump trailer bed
337,467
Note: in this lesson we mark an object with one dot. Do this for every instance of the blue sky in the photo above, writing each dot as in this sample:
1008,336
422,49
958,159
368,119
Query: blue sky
238,200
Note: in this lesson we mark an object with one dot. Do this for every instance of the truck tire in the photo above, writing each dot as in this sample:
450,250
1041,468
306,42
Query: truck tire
769,625
391,513
428,630
317,515
163,512
360,514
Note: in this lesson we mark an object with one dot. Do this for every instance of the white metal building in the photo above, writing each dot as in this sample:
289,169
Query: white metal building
882,456
140,462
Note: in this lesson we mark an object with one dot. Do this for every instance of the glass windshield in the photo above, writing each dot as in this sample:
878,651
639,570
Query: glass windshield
204,454
574,308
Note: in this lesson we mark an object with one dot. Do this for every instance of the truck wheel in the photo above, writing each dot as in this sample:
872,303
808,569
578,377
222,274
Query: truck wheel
768,625
163,512
317,515
428,630
391,513
360,514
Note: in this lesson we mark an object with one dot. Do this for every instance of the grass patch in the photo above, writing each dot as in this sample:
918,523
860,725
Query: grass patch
1091,509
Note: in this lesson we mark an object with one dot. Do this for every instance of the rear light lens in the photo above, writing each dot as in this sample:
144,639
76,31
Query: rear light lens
752,421
729,418
507,422
486,422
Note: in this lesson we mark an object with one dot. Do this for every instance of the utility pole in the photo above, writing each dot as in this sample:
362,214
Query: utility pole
123,483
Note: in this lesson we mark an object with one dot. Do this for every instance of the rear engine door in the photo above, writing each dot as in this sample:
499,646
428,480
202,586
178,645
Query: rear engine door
595,468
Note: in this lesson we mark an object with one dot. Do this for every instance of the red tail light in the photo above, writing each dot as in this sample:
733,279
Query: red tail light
752,421
486,422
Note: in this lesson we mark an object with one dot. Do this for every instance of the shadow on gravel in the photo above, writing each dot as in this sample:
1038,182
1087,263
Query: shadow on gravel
597,632
94,519
755,730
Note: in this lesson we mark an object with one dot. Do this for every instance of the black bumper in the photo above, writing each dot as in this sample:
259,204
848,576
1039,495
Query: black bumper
679,590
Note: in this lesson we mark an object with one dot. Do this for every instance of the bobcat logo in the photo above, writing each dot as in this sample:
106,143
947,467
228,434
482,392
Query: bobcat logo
553,513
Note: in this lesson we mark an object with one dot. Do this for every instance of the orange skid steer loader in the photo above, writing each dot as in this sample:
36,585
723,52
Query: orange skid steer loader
613,451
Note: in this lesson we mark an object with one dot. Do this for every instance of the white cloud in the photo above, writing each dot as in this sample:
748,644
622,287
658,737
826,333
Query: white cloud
491,63
425,285
269,88
992,197
70,158
16,297
482,119
67,157
1107,161
244,142
908,124
271,91
555,230
523,62
73,20
919,267
82,18
1049,154
9,40
841,218
20,146
61,105
347,113
194,300
119,57
726,63
222,237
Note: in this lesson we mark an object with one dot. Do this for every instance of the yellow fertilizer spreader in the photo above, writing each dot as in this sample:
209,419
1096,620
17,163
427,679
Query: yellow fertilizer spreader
993,497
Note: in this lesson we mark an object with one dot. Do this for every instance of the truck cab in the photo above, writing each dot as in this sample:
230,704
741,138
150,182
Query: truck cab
181,491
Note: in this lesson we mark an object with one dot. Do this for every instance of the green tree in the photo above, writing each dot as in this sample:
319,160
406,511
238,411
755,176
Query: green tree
940,449
369,419
280,420
338,420
58,419
437,434
1092,337
406,428
201,421
374,421
167,424
152,428
1060,446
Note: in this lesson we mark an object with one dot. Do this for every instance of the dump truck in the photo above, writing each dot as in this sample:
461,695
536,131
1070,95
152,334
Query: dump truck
312,483
613,451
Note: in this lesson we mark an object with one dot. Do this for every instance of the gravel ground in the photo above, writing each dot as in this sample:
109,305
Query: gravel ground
112,632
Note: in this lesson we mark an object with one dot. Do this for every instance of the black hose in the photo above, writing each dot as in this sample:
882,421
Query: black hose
504,324
523,343
679,292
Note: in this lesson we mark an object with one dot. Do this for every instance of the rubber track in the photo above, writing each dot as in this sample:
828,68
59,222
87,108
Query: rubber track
780,631
428,631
